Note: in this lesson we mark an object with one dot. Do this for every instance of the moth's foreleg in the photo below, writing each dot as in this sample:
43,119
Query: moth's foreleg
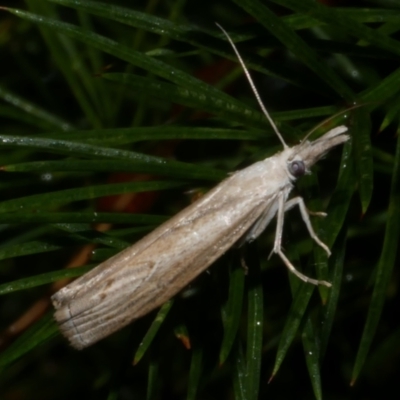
305,215
282,207
259,227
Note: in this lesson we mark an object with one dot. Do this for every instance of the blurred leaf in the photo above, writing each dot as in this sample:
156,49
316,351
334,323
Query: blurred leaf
341,197
153,379
24,249
296,45
170,168
49,200
65,52
376,95
80,217
340,20
67,147
195,372
136,134
361,129
240,375
384,269
187,97
141,60
329,312
232,311
255,323
44,118
38,334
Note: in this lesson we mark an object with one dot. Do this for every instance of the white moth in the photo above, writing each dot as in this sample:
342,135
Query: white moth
147,274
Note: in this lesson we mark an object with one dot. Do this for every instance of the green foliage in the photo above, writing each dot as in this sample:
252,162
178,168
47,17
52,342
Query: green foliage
91,88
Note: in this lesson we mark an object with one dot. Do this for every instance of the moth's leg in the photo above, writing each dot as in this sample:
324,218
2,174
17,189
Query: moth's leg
255,231
259,226
279,227
298,201
293,202
278,240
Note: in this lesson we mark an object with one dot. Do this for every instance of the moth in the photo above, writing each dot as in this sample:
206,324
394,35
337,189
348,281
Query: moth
147,274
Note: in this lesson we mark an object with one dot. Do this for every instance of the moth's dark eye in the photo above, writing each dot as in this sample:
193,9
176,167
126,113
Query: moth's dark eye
297,168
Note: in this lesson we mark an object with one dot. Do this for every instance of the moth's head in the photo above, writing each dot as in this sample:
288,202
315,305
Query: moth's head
306,154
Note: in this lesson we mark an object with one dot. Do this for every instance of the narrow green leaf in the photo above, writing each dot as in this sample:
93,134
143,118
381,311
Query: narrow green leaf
187,97
119,136
52,199
369,14
43,279
153,379
240,375
384,355
195,35
134,18
64,53
126,53
232,310
311,353
49,120
152,331
386,88
296,45
391,114
383,160
21,117
23,249
345,23
295,316
304,113
366,15
361,129
171,169
28,234
196,365
73,148
144,161
38,334
192,34
81,217
340,201
329,311
85,234
255,320
384,269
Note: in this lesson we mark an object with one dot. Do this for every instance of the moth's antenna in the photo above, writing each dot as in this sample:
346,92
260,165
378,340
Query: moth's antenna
253,87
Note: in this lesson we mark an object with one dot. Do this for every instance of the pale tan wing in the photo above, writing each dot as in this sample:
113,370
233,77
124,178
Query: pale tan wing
145,275
149,279
245,185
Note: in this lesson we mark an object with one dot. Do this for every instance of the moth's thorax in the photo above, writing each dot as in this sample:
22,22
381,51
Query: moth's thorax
278,167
